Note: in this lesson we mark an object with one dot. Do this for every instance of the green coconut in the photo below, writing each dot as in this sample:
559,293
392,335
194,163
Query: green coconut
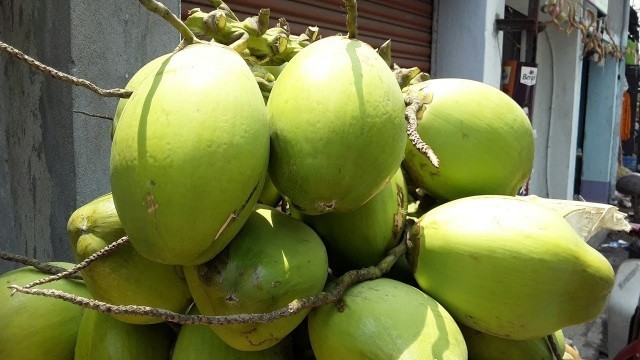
384,319
337,126
364,236
36,327
189,156
508,267
269,195
199,342
483,346
482,137
124,277
103,337
272,261
149,68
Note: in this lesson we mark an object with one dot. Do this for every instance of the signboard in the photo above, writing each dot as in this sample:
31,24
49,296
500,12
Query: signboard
602,5
519,82
528,75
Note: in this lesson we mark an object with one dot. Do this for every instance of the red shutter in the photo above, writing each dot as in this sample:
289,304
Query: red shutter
406,22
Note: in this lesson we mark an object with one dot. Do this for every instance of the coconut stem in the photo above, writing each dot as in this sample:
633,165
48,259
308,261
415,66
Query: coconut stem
352,18
410,115
164,12
97,255
219,4
121,93
333,293
38,265
554,347
98,116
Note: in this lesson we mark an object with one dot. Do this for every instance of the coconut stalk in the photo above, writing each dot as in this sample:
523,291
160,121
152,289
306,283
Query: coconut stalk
43,267
252,34
414,108
56,74
111,248
251,38
352,18
164,12
332,293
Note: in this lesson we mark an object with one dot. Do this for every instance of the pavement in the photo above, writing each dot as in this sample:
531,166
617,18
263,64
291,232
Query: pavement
589,338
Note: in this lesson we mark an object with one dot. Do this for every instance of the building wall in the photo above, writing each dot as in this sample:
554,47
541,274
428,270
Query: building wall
602,122
54,160
466,43
31,178
556,113
600,134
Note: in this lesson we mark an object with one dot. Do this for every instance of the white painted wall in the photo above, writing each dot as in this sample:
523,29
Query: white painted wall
556,109
493,43
466,43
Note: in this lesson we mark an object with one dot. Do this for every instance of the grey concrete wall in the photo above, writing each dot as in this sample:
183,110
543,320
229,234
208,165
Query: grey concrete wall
52,160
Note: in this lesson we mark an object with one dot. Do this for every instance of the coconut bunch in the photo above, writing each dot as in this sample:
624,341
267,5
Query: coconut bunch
265,191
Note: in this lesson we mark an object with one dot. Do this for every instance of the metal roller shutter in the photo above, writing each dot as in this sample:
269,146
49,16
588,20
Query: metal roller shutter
406,22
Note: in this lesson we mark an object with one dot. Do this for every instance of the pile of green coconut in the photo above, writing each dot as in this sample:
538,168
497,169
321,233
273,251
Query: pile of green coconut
279,196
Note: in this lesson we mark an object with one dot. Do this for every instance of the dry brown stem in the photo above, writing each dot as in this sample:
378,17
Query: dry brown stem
410,115
43,267
352,18
121,93
334,291
95,256
164,12
99,116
